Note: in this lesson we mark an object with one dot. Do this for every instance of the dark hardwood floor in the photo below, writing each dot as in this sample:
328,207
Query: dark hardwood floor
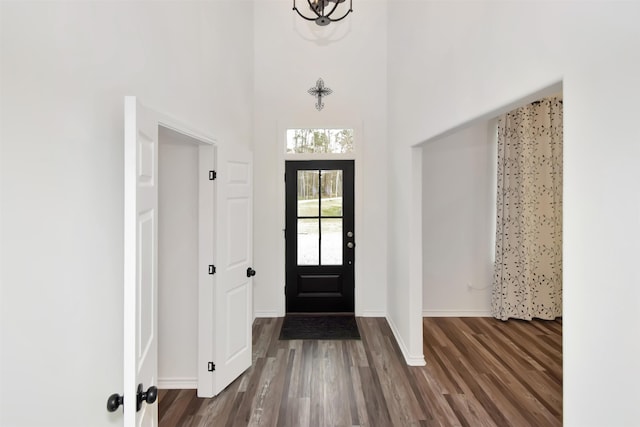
480,372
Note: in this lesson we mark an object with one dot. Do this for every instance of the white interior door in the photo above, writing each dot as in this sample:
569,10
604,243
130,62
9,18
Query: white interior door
234,252
140,263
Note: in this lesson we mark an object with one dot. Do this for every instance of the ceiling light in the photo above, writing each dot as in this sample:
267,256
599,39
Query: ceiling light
323,10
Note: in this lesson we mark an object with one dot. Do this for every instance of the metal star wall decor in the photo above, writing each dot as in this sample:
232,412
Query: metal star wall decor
319,90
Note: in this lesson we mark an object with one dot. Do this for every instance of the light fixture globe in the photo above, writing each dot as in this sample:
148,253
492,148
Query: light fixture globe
323,11
322,21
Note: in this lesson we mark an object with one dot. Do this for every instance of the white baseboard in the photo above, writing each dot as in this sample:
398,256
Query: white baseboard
181,383
410,359
456,313
373,313
266,314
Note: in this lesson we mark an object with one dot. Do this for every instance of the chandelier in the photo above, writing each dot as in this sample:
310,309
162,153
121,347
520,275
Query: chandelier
323,10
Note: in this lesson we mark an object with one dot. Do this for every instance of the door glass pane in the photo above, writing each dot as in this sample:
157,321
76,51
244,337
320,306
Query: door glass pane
331,253
331,193
308,186
308,242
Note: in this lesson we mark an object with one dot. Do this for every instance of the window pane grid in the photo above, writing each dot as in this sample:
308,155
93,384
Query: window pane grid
320,217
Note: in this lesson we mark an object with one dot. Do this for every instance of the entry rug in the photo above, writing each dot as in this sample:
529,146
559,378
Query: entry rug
319,328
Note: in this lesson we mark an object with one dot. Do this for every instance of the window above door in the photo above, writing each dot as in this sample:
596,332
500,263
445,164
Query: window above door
319,141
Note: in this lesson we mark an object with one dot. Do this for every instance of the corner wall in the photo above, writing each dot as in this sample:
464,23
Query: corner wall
65,69
453,62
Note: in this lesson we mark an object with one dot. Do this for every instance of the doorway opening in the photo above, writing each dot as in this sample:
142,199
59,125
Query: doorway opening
178,258
204,263
224,237
459,220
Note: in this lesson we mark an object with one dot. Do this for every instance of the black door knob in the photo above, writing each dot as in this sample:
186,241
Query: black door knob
251,272
148,396
114,401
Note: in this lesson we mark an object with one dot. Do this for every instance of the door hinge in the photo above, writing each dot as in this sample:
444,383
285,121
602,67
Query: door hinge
211,367
212,175
212,269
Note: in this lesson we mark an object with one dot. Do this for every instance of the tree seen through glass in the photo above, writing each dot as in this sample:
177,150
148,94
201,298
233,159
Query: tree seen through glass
334,141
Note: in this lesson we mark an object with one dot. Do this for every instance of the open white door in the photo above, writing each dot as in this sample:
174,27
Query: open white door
140,264
233,292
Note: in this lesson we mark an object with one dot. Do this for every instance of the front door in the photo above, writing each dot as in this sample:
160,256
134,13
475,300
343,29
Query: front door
320,236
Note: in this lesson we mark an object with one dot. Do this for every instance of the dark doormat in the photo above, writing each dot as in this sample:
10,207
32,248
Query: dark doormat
319,328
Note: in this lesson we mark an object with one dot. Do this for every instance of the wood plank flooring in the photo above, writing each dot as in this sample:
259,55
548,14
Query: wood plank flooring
480,372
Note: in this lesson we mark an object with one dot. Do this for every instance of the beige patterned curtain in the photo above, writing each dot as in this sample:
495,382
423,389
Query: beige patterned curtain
528,268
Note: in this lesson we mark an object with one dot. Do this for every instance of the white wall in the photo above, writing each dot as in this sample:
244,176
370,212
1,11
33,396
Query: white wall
177,260
65,69
290,55
458,221
66,66
452,62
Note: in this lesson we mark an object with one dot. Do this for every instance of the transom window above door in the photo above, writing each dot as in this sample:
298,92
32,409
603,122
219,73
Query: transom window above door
319,141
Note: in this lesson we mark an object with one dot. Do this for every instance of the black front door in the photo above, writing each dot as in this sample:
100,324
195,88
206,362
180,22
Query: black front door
320,237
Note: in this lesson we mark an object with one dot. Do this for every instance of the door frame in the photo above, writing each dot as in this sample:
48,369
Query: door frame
211,158
280,203
207,246
208,147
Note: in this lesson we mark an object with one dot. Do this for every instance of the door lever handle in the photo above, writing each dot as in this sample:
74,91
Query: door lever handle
251,272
